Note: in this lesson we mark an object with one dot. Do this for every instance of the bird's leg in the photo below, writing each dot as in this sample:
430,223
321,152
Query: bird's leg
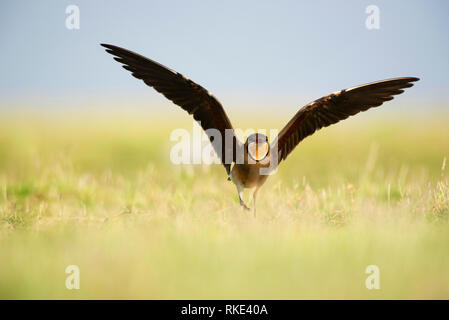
254,201
243,203
240,192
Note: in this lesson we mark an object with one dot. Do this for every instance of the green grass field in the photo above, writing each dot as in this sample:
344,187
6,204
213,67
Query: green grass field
103,195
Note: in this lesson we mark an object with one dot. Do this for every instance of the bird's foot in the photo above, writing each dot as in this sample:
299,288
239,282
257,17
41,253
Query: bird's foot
244,206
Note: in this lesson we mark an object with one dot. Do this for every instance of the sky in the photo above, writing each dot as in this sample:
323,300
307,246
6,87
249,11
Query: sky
289,51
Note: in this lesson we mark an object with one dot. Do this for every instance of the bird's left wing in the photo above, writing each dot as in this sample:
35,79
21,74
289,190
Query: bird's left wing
190,96
333,108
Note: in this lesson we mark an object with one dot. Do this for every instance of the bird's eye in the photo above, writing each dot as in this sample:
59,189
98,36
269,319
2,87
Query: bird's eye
258,151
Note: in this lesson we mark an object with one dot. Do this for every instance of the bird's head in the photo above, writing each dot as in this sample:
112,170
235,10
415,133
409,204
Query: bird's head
257,146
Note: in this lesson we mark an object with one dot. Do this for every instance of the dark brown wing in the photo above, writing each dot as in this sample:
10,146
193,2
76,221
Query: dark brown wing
190,96
335,107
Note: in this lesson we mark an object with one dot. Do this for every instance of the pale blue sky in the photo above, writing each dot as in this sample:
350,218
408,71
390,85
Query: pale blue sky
255,48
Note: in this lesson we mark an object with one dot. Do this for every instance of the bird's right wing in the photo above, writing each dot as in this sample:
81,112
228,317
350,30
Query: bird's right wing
334,108
190,96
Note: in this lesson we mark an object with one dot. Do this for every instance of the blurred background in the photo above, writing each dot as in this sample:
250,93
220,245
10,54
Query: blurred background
85,176
251,55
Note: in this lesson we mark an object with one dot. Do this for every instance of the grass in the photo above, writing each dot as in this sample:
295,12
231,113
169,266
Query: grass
103,195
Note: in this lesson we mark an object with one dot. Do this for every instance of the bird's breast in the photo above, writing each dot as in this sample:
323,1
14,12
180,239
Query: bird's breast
248,175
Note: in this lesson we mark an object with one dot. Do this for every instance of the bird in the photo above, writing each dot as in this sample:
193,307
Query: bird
249,164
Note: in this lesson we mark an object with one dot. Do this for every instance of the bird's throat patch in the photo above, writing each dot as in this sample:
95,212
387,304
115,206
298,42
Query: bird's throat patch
258,151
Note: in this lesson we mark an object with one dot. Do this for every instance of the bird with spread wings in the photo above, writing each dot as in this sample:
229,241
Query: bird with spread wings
253,160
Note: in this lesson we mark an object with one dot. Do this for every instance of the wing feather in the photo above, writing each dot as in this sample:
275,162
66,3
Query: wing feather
182,91
334,108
